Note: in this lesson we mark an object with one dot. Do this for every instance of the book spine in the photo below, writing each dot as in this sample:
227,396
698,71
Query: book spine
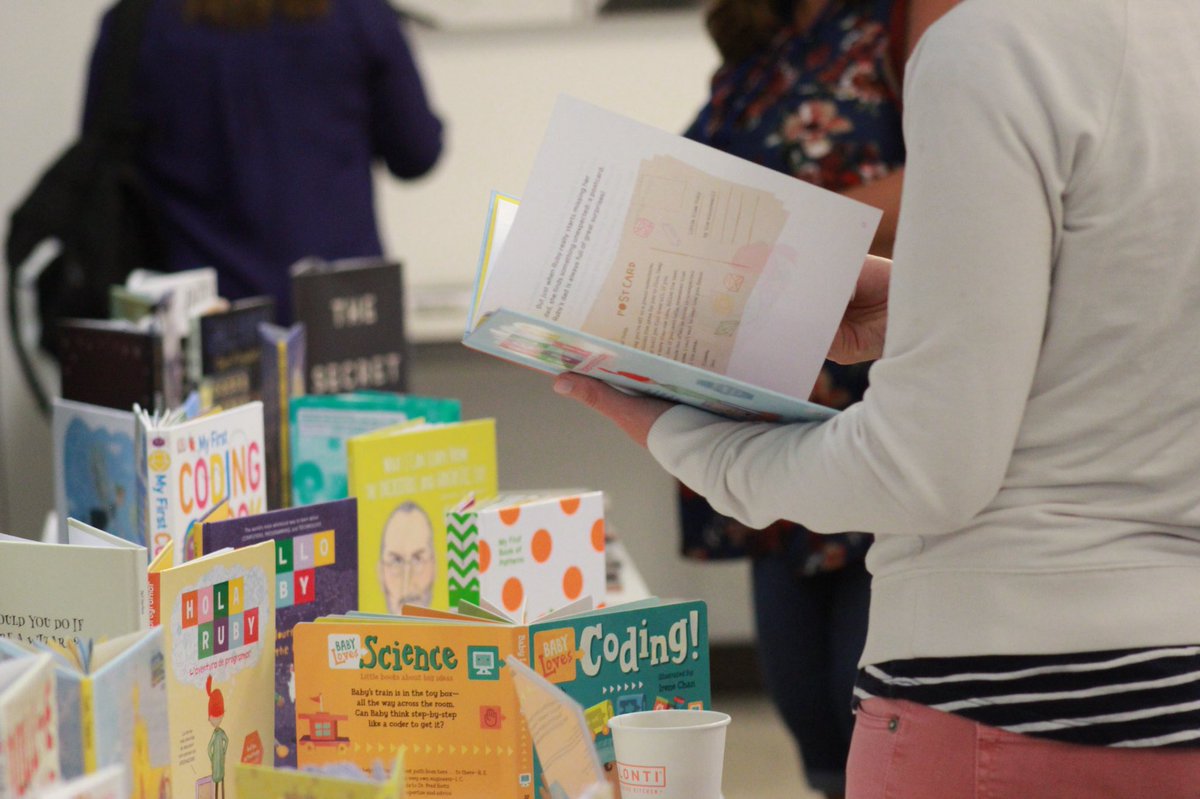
87,720
154,597
142,504
140,578
284,465
524,740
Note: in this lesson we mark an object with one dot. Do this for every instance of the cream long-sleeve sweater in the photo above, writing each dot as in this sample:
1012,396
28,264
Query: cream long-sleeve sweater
1029,450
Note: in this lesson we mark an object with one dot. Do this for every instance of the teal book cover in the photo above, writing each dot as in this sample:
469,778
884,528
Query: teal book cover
321,424
650,655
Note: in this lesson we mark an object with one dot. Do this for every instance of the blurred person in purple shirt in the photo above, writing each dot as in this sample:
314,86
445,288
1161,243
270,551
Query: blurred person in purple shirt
262,121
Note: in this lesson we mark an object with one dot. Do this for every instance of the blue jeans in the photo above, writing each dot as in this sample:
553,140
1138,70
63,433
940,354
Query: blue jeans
811,632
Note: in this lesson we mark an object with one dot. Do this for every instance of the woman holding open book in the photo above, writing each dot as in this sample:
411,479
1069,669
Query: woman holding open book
811,89
1026,455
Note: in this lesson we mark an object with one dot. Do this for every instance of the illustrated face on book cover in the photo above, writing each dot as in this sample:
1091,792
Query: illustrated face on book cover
407,567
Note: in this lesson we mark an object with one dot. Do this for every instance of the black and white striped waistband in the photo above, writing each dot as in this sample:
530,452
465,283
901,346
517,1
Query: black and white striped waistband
1129,698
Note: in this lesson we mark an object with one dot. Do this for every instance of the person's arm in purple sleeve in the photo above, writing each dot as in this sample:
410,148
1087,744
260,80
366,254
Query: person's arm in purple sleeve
405,132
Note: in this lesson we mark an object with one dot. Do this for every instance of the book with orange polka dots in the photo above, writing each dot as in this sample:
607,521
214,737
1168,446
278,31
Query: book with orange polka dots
527,553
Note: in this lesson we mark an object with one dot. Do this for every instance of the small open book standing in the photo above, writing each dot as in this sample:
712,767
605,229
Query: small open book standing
664,266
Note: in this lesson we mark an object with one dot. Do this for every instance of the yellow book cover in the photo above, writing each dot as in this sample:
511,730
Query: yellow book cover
405,478
264,782
438,693
218,619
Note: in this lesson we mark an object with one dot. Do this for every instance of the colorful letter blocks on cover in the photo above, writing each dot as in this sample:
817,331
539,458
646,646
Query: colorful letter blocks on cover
296,562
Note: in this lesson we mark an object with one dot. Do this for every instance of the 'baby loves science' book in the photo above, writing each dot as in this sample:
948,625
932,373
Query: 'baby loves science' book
370,688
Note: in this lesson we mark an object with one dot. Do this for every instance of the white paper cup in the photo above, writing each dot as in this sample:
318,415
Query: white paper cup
670,754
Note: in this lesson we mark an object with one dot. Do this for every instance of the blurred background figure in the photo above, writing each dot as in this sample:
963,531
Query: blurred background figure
262,121
811,88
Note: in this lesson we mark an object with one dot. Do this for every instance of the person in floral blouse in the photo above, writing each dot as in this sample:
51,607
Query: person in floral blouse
811,88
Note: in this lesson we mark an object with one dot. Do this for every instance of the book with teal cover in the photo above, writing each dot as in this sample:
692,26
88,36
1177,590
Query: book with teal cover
647,655
321,424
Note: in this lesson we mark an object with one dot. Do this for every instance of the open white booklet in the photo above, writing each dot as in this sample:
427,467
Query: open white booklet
665,266
561,736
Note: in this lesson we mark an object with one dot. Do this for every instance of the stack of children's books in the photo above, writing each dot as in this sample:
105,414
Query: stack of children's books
274,574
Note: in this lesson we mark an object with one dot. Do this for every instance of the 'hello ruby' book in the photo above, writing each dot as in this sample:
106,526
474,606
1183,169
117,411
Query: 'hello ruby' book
218,619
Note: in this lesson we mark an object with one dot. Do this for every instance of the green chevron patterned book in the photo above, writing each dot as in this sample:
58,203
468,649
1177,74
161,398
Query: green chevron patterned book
529,553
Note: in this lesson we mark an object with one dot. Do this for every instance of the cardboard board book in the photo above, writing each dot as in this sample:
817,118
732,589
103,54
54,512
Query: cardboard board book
94,478
405,478
186,468
322,424
315,574
439,694
92,587
29,759
112,709
527,552
218,618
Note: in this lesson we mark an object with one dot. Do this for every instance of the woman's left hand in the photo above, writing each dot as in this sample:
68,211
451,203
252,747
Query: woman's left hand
633,414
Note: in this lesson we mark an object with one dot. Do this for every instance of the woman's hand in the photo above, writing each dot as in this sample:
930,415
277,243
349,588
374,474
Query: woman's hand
860,335
633,414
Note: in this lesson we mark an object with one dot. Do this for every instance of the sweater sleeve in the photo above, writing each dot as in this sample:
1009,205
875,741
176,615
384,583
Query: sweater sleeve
405,131
929,446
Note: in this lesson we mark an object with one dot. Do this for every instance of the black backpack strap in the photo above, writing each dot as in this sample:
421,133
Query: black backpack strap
114,96
113,116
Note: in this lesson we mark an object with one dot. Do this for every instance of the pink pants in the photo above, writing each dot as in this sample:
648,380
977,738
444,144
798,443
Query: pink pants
902,750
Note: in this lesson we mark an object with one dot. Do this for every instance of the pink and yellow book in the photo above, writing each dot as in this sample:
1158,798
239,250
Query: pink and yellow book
218,619
29,759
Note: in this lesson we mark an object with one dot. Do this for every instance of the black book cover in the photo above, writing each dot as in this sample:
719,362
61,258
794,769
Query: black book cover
226,353
111,363
353,310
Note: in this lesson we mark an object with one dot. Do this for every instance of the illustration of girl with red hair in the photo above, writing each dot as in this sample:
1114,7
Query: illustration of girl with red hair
219,742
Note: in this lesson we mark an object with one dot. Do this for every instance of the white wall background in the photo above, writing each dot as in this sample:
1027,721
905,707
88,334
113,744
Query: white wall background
494,90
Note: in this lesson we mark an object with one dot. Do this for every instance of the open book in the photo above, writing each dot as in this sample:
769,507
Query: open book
667,267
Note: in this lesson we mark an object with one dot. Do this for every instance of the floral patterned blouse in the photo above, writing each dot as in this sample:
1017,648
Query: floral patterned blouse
822,105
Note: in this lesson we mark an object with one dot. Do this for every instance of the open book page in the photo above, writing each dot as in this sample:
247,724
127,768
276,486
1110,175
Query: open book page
502,212
647,239
560,735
